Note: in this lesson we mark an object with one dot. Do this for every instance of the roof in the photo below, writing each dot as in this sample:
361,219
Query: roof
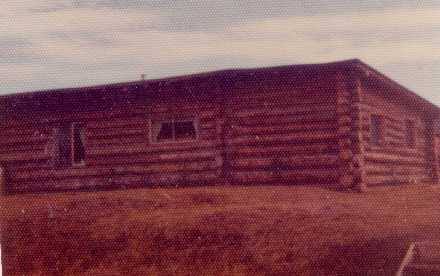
100,96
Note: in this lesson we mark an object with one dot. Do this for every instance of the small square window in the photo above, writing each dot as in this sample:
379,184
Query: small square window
185,130
174,130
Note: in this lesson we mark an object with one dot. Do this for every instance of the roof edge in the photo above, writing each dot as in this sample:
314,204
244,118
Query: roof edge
342,63
382,77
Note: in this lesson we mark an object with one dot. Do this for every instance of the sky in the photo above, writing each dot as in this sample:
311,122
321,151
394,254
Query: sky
47,44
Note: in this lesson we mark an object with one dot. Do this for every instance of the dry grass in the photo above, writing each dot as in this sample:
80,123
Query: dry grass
216,231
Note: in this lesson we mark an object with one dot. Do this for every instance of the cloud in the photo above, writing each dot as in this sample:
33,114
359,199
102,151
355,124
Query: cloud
14,49
48,43
216,15
423,77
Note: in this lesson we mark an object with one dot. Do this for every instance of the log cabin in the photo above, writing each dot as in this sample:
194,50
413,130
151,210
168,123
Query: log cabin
341,124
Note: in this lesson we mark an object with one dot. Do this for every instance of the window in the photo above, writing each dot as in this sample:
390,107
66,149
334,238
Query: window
70,148
174,130
410,134
184,130
79,152
376,134
63,150
165,132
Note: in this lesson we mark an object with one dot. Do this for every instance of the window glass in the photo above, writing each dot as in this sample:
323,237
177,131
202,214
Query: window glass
184,130
174,130
165,131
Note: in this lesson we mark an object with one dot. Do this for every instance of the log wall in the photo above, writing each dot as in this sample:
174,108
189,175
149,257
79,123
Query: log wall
250,133
119,149
284,134
394,161
279,127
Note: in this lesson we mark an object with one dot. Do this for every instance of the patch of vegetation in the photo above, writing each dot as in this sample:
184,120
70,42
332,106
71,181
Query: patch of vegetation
272,230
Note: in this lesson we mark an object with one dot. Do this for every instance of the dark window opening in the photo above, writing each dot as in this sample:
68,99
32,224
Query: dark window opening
174,130
376,130
79,153
165,132
70,147
185,130
410,134
63,146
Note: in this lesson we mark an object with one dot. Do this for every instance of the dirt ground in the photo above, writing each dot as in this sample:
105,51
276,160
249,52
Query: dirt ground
261,230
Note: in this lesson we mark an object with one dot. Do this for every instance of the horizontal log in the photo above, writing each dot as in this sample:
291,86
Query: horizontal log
304,138
41,174
301,97
180,146
13,140
286,162
117,141
208,177
270,104
75,183
286,150
289,181
288,117
22,130
90,183
43,118
114,132
391,144
386,180
397,111
98,184
121,122
294,177
383,158
371,163
283,121
27,164
395,169
288,135
203,136
112,116
23,148
285,142
395,151
145,159
288,110
150,161
260,130
27,156
180,113
280,167
380,165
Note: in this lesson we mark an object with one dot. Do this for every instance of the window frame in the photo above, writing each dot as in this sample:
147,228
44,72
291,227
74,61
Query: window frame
377,139
69,161
154,131
72,144
410,133
59,159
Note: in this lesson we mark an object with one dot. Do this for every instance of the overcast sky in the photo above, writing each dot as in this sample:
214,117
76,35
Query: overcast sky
64,43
